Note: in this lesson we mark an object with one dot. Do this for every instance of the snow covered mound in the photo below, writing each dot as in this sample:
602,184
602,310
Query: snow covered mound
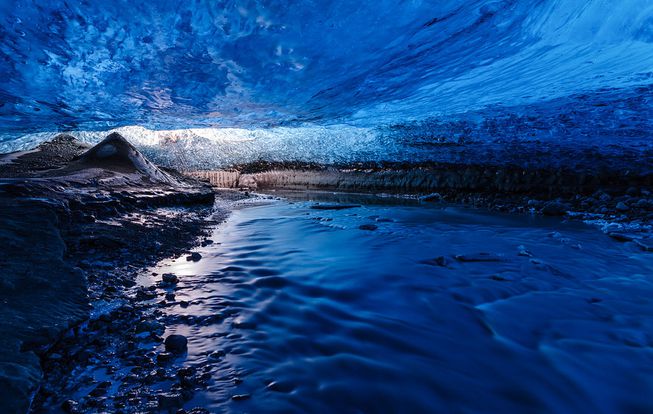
114,153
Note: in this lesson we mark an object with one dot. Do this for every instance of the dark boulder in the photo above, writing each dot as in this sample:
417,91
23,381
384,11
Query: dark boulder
177,344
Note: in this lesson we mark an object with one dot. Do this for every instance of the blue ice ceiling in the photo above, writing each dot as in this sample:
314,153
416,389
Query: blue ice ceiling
93,65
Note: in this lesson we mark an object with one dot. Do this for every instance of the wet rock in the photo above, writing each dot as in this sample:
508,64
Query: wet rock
554,208
143,294
194,257
185,372
170,278
198,410
101,389
644,204
206,242
170,401
368,227
431,197
280,386
149,326
244,325
632,191
524,252
70,407
164,357
500,278
622,237
621,206
603,197
177,344
215,355
438,261
534,203
240,397
170,296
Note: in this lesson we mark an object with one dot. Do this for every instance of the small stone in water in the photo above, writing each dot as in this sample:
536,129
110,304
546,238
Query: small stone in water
170,278
620,236
177,344
164,357
168,401
70,406
217,354
369,227
195,257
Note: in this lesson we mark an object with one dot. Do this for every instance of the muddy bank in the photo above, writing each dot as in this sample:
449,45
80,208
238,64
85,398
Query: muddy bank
617,195
73,235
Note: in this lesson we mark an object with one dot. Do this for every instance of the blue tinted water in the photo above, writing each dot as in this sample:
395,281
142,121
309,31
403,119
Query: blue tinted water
321,316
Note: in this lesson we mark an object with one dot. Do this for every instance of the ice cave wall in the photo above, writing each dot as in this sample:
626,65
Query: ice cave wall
335,81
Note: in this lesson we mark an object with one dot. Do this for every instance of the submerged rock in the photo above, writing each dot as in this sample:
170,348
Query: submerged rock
438,261
621,236
369,227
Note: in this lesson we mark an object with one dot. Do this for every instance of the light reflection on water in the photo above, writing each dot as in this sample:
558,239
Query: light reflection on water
320,316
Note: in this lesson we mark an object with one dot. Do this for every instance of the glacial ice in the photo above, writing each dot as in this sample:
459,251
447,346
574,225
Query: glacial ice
336,81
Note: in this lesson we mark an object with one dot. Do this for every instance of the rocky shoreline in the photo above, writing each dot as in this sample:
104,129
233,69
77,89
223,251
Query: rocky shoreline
621,202
80,223
75,236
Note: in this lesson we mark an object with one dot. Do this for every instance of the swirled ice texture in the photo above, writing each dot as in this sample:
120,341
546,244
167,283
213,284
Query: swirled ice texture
516,68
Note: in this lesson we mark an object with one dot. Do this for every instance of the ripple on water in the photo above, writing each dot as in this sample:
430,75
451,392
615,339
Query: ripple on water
438,310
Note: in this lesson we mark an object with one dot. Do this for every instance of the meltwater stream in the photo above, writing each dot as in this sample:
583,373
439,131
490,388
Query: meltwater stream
440,309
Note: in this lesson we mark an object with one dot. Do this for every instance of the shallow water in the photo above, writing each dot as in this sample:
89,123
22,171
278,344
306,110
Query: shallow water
317,315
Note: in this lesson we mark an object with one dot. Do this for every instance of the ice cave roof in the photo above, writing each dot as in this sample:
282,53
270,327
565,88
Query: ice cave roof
95,65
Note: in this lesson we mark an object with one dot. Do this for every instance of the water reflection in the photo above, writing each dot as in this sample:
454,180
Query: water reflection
298,310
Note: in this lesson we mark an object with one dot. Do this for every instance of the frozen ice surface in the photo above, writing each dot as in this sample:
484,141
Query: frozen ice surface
315,71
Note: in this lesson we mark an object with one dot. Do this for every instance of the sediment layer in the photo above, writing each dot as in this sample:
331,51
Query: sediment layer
616,194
